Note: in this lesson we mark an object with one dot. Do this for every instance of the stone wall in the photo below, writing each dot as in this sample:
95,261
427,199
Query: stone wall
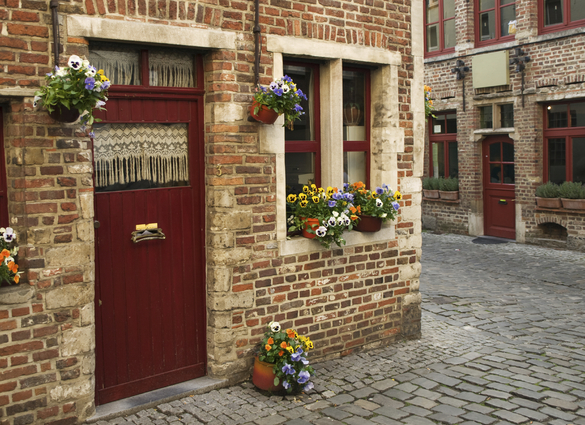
554,73
363,295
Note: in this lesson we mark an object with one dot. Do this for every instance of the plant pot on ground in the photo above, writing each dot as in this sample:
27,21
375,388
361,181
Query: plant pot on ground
449,188
547,195
572,195
431,187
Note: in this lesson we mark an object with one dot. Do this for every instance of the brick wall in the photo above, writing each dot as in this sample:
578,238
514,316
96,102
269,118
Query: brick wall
345,299
553,74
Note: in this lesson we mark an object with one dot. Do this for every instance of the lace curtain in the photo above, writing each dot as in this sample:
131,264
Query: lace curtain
130,153
171,68
121,64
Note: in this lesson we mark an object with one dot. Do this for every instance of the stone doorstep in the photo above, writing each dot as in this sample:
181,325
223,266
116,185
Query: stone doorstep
130,405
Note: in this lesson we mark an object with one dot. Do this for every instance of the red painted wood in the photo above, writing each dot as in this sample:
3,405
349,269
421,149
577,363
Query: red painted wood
151,322
3,198
498,198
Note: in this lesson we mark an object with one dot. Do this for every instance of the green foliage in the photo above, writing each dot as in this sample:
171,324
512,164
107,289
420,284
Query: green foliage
287,350
449,184
381,203
430,183
77,86
8,256
283,97
548,190
426,183
572,190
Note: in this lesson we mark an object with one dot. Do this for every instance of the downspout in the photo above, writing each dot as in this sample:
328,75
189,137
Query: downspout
56,43
257,32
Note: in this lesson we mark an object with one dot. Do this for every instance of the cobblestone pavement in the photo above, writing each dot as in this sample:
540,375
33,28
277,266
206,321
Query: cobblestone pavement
503,337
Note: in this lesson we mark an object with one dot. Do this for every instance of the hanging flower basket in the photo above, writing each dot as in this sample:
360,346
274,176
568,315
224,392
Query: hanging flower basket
64,114
265,115
369,223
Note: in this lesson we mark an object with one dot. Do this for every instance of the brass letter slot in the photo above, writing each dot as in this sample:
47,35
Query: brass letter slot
503,201
147,235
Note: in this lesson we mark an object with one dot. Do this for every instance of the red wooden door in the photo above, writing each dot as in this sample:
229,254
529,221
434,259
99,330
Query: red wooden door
498,187
150,295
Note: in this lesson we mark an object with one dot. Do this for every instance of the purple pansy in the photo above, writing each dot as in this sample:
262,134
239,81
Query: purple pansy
89,83
303,377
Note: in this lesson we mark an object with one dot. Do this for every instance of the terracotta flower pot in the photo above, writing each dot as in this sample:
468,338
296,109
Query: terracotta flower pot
431,193
64,115
313,223
265,115
368,223
449,195
263,376
548,202
573,204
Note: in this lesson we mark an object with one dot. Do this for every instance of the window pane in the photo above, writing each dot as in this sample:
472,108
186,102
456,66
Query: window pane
432,38
553,12
452,123
140,156
303,129
508,14
486,4
448,9
577,10
509,173
453,161
300,170
579,159
495,172
354,167
556,160
485,117
438,160
557,116
507,115
495,152
449,33
487,22
120,62
577,111
432,11
171,68
354,98
439,124
508,152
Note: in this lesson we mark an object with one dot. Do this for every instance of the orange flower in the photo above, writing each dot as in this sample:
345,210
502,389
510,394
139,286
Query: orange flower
281,353
354,217
359,209
270,341
283,344
353,209
16,278
13,267
290,333
5,253
268,347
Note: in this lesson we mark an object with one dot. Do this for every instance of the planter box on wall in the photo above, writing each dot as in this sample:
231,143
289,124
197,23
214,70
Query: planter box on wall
573,204
449,195
548,202
431,194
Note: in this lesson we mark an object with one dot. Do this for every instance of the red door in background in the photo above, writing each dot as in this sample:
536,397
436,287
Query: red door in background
498,187
150,294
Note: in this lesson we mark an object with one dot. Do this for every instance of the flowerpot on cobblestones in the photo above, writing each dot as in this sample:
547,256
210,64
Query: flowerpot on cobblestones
548,202
573,204
263,376
449,195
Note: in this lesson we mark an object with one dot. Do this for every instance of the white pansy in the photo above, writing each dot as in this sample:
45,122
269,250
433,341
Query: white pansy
335,214
332,221
36,101
74,62
61,72
274,326
379,203
8,260
85,64
321,231
285,89
383,215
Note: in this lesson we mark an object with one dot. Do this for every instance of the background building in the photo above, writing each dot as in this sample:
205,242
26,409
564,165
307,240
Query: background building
507,80
98,317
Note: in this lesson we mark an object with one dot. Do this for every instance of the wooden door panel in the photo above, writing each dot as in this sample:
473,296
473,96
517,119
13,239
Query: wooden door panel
500,214
150,304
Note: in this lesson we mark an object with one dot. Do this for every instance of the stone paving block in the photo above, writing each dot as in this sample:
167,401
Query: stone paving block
561,396
355,410
273,419
335,413
415,410
318,405
368,405
510,416
469,396
448,410
400,395
405,377
325,421
407,387
443,418
531,395
363,392
384,420
298,422
341,399
561,404
425,383
443,379
384,384
480,408
431,395
422,402
532,414
479,418
417,420
556,413
496,393
386,401
501,404
390,412
358,421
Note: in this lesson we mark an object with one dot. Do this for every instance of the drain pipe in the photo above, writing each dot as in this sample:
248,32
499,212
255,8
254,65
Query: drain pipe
56,43
257,32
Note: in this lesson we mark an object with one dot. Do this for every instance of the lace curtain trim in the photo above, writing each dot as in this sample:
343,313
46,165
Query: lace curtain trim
127,153
120,67
170,69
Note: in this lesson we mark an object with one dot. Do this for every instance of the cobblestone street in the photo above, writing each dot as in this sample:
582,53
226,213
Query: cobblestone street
503,334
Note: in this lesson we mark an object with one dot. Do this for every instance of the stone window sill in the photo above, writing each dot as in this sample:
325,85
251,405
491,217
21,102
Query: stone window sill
447,201
560,210
299,244
16,294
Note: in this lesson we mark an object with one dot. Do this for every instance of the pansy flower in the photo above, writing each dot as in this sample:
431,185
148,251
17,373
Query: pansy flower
74,62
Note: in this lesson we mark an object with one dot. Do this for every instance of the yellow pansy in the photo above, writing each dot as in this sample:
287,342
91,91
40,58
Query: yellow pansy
397,195
306,189
291,198
302,196
304,203
315,199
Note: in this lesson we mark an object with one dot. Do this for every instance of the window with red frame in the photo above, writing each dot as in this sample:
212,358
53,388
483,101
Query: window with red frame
439,26
557,15
493,21
564,142
356,129
302,142
443,140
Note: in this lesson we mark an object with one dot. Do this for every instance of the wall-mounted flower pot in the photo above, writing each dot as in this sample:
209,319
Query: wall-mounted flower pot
312,223
431,194
263,376
449,195
573,204
265,115
548,202
64,115
368,223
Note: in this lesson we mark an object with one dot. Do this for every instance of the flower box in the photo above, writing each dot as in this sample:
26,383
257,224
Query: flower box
431,194
548,202
449,195
573,204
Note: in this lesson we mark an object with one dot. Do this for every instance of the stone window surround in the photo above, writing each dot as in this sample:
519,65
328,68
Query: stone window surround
386,137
